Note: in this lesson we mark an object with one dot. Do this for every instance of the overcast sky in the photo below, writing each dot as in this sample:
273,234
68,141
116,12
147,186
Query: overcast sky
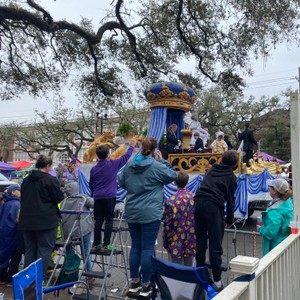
271,77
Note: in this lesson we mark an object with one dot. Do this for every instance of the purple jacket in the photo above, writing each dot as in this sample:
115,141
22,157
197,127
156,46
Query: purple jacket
103,178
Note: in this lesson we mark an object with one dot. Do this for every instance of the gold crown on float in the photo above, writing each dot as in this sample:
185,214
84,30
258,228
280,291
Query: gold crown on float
170,94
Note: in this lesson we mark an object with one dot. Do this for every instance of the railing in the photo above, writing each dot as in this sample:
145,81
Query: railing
277,274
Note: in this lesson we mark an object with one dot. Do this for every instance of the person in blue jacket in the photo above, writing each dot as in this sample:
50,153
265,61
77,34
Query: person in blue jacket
9,212
276,219
144,178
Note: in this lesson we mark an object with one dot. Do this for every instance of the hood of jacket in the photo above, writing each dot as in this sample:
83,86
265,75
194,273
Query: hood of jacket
216,168
285,208
36,175
8,198
72,188
140,163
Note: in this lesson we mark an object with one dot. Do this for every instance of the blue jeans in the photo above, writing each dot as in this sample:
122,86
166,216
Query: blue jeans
87,248
143,237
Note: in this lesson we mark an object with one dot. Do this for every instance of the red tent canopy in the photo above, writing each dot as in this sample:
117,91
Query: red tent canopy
19,165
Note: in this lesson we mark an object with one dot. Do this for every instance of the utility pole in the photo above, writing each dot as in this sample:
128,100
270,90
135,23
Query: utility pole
295,147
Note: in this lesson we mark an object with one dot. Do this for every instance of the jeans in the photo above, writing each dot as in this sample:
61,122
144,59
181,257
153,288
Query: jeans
87,248
143,238
39,244
103,210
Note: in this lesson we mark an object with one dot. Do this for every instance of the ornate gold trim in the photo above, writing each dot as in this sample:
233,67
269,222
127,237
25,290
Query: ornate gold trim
197,163
171,103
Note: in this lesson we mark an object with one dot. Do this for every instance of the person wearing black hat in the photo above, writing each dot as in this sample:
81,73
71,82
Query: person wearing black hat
9,213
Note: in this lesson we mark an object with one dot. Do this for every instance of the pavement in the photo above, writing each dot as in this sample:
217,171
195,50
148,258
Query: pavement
242,241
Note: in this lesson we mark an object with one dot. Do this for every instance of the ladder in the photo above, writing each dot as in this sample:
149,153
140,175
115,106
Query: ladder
109,266
64,243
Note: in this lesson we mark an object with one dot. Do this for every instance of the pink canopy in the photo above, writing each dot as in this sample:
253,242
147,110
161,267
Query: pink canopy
23,164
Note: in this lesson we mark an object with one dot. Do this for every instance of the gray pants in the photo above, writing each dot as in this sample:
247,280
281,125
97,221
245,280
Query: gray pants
186,261
39,244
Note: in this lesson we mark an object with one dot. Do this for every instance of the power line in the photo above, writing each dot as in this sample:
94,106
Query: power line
271,80
266,86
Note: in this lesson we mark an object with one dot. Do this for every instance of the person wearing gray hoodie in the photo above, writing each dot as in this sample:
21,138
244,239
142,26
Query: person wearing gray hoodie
144,178
78,202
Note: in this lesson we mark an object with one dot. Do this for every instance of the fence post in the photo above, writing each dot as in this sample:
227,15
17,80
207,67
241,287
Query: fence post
243,269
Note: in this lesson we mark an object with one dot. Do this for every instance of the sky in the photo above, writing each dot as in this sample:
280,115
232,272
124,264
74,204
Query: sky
271,77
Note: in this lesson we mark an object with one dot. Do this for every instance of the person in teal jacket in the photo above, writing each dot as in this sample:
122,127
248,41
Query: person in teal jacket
144,178
276,219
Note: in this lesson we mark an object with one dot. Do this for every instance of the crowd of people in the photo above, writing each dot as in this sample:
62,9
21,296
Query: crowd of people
192,223
200,137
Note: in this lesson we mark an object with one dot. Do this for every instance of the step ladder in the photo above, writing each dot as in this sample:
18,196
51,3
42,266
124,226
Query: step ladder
62,244
110,264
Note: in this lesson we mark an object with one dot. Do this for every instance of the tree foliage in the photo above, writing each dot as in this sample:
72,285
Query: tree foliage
124,129
54,134
219,111
6,141
140,40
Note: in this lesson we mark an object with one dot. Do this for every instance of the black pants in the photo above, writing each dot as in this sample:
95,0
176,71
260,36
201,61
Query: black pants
247,157
103,210
16,256
39,244
209,226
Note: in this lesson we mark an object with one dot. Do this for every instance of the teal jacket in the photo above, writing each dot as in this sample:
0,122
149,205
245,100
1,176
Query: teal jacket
276,225
144,178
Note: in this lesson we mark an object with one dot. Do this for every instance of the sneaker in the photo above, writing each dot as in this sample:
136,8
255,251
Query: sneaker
135,287
217,289
97,247
106,248
146,291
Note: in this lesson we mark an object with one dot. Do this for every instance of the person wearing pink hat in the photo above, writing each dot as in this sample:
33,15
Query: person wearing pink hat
276,219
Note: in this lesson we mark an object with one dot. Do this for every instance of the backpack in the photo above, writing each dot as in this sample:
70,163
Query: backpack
70,268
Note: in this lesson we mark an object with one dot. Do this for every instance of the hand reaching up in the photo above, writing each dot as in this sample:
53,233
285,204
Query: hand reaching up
132,142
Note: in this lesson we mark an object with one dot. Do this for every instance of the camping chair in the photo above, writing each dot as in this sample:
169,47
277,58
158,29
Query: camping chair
178,282
28,283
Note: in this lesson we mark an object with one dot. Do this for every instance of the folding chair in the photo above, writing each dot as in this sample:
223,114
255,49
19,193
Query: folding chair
178,282
28,283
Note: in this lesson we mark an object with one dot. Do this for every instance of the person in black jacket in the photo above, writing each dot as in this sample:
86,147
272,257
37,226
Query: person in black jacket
40,194
198,143
172,140
217,188
249,142
228,142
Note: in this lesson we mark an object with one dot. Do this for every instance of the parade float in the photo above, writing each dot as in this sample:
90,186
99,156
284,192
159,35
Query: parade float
169,103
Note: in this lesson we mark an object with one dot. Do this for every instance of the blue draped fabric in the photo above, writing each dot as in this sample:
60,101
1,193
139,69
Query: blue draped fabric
175,116
84,187
247,185
157,122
